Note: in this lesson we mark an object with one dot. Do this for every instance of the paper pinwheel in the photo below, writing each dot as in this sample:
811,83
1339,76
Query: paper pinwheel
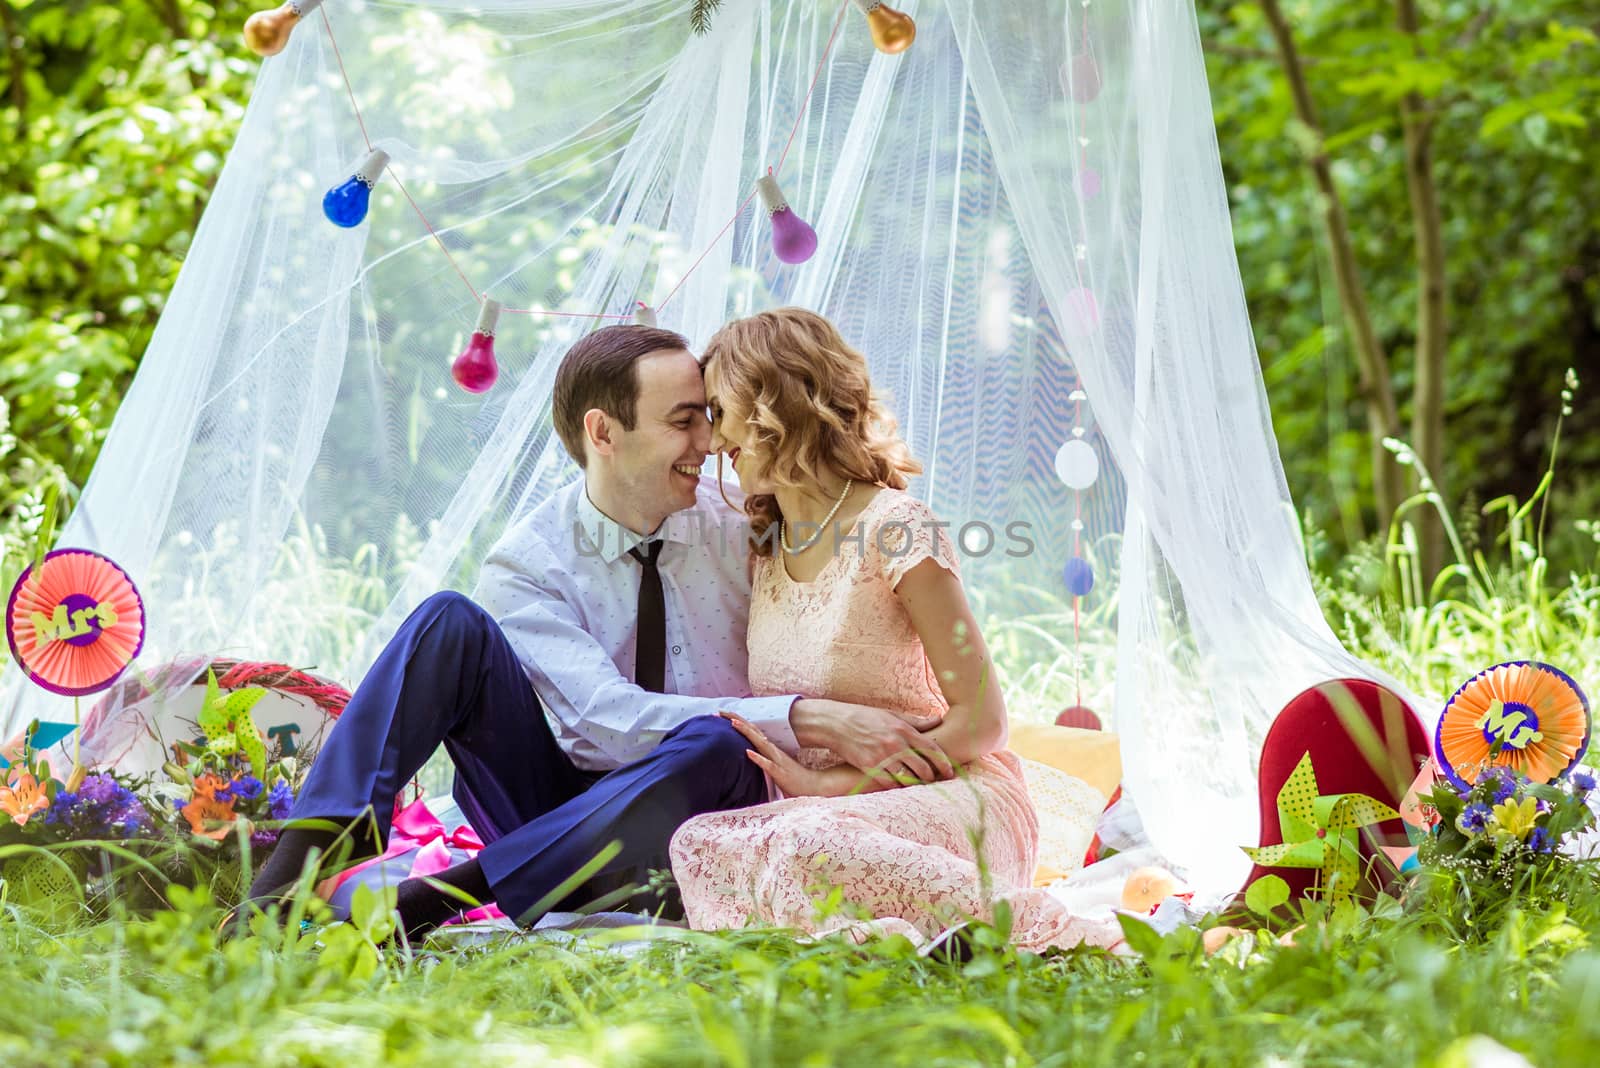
74,622
1321,831
37,736
1525,715
225,718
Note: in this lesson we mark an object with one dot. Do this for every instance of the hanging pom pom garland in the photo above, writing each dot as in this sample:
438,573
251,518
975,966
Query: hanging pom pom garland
475,369
892,31
644,315
793,240
1078,467
346,204
266,33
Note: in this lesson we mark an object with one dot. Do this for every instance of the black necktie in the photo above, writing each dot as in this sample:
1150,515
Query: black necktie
650,652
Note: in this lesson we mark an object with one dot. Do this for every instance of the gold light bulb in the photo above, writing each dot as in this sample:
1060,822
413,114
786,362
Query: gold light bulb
892,31
266,33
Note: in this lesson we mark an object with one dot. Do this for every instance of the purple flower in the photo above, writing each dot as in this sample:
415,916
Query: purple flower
1583,781
1505,784
1540,842
62,808
280,801
246,787
101,790
101,808
263,839
1474,819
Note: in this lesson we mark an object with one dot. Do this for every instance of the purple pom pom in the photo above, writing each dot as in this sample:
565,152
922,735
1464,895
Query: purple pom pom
1079,576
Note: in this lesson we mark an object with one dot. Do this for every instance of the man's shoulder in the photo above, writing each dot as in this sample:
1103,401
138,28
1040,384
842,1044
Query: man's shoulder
542,528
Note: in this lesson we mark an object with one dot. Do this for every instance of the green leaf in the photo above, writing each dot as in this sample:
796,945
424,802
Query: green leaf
1265,894
1145,940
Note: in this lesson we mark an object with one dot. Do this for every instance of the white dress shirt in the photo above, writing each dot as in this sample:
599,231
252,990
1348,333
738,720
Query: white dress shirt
565,591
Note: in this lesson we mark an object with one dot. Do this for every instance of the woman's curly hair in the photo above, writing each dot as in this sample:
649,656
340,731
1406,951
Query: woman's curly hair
808,401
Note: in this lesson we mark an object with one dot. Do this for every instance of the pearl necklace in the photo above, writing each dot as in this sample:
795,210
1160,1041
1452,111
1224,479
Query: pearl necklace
783,529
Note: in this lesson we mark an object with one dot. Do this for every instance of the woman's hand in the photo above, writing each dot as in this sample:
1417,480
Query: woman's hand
791,776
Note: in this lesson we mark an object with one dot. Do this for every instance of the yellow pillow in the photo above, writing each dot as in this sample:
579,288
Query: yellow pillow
1093,756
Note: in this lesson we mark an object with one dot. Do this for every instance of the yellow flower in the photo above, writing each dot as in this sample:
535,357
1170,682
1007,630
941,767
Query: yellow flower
1515,818
22,797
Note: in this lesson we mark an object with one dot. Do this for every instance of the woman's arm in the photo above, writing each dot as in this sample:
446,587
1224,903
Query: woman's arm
976,723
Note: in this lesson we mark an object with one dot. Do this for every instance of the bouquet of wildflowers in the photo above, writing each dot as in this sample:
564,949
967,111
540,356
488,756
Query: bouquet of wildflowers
227,779
1504,834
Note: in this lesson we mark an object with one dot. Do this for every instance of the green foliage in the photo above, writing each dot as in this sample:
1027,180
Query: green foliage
117,118
1511,90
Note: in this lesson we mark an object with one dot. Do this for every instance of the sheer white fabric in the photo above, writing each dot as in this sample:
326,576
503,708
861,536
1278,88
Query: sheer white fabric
293,470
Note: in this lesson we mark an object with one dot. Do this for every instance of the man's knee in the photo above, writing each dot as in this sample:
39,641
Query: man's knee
452,609
712,737
716,749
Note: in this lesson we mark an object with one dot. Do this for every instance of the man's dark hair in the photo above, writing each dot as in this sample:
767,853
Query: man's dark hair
601,371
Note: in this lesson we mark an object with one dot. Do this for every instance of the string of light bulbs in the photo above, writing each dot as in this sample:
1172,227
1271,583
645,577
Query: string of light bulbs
476,369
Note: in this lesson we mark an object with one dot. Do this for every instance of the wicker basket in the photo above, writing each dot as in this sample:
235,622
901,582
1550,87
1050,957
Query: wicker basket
48,886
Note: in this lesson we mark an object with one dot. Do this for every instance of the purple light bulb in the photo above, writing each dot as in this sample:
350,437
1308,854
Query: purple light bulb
475,369
792,237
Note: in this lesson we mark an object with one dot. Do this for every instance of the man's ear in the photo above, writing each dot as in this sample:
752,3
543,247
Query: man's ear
598,428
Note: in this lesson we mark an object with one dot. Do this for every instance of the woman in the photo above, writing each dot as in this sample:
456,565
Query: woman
857,598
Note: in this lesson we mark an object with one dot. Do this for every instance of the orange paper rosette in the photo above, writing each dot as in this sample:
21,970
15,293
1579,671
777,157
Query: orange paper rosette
1524,715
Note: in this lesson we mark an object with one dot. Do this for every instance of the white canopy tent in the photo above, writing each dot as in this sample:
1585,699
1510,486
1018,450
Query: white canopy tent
1027,202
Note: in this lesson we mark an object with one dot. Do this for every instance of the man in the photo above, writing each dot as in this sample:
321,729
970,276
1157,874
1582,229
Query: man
579,702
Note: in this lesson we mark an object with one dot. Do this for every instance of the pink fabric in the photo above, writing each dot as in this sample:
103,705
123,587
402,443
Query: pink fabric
908,861
417,830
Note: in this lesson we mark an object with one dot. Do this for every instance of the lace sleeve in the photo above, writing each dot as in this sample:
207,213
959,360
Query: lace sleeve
907,533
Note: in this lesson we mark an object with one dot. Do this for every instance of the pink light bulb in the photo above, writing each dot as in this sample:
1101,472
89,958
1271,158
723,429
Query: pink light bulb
792,237
475,369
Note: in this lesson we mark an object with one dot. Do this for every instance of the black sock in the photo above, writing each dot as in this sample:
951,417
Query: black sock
336,847
423,907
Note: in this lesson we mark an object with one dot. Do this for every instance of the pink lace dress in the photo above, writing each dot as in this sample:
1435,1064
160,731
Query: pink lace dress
908,861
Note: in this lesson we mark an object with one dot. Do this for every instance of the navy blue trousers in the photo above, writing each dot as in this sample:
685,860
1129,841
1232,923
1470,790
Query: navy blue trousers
449,676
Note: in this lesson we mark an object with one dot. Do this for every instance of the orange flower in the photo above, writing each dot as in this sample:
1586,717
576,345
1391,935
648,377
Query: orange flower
207,785
207,809
22,796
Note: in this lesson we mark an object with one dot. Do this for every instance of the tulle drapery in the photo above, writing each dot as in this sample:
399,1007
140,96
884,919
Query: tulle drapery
1027,202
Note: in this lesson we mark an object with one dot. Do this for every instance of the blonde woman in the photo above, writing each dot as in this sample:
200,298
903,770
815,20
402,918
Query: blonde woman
856,596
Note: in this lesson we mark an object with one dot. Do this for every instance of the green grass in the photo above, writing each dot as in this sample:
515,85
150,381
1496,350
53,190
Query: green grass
1375,989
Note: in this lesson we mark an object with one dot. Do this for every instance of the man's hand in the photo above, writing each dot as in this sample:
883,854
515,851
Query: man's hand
868,737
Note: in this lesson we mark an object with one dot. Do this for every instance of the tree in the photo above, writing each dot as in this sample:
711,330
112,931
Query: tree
1463,128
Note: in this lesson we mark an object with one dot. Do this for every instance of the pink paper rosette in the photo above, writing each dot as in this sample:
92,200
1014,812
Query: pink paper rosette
74,622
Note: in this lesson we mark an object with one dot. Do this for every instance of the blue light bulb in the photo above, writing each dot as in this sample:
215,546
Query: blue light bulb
346,204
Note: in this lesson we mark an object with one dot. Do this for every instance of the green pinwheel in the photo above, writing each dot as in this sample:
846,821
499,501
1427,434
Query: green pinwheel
225,719
1321,831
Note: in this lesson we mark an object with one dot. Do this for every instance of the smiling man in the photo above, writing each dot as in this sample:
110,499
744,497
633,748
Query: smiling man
577,691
